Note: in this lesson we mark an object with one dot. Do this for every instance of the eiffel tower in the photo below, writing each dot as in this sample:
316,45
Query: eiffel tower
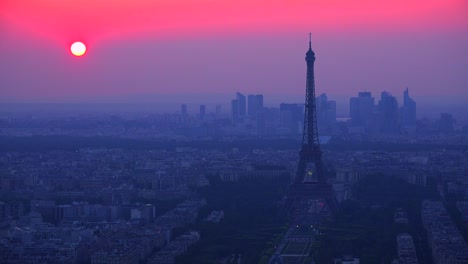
310,196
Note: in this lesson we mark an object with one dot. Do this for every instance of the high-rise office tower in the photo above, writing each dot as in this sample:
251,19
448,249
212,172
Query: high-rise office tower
361,109
242,104
183,109
202,111
388,114
235,111
321,102
408,111
326,113
292,116
331,117
255,103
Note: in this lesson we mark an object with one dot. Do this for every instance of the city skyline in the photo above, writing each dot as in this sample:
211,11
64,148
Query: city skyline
166,104
414,45
192,131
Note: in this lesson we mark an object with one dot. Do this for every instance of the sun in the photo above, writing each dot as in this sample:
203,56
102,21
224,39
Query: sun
78,49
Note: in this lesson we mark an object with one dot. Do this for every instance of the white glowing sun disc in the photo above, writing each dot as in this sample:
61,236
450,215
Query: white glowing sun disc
78,48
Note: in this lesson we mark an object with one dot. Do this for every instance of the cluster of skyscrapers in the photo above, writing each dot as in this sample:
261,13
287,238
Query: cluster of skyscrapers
367,116
290,115
385,117
239,107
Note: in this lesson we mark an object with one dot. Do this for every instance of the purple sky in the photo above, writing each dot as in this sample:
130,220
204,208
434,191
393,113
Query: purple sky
430,58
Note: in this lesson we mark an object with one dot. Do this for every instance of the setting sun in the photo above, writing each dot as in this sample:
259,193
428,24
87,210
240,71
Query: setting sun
78,49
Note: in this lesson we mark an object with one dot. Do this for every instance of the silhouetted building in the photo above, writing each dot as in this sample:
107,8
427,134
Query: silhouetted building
118,254
326,113
183,109
145,213
218,109
242,104
406,250
202,111
408,111
388,114
238,108
267,120
46,208
235,111
255,103
361,109
446,122
291,117
11,209
363,113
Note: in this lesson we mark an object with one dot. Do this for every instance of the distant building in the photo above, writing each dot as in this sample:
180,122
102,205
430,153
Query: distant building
255,173
238,108
46,208
242,104
361,109
388,114
406,250
361,173
446,123
235,111
408,111
268,121
326,114
346,260
202,112
291,117
11,209
218,109
444,238
255,103
146,213
117,254
400,216
183,109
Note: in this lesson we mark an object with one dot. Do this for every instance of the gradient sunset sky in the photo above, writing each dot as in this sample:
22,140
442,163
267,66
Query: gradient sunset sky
147,47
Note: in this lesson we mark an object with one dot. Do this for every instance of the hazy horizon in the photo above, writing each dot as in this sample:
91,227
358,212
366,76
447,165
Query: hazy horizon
197,47
428,107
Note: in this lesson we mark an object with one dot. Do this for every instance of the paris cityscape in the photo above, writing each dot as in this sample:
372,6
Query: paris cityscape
228,173
155,188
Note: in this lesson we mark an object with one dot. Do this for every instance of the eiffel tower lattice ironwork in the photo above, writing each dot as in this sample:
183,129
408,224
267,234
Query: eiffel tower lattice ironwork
310,193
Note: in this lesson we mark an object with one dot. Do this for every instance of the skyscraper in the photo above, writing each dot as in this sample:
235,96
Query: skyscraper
183,109
388,114
255,103
326,113
292,116
361,109
408,111
202,112
242,105
235,111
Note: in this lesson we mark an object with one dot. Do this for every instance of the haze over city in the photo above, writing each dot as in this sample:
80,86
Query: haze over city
141,51
233,132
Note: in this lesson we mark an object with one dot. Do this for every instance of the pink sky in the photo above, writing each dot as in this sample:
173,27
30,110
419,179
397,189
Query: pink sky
207,46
